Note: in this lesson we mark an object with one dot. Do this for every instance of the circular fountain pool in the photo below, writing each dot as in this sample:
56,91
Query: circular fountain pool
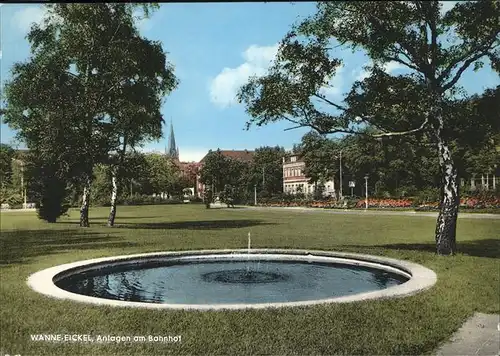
232,279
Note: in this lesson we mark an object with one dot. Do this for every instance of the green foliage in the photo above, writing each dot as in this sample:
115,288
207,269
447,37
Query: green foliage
424,103
216,170
320,155
146,200
428,195
266,169
227,196
93,83
319,190
10,196
409,33
418,324
208,197
163,174
101,186
6,156
48,190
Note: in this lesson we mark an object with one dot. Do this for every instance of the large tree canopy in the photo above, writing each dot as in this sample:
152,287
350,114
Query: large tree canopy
436,50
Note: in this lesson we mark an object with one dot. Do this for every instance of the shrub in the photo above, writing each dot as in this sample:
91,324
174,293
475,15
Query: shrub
147,200
52,202
385,203
427,195
10,196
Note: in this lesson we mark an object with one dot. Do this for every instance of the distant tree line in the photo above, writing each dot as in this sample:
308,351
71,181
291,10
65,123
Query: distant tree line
396,167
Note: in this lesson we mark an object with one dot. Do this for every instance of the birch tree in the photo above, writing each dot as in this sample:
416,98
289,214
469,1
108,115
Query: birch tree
97,54
435,48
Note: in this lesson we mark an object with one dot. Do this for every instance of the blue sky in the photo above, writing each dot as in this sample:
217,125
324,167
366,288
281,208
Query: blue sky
215,47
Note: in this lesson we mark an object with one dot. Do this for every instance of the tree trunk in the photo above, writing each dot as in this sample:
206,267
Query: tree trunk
84,210
115,172
446,225
114,193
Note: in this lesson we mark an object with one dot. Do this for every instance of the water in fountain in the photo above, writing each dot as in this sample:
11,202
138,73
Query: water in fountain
248,252
241,280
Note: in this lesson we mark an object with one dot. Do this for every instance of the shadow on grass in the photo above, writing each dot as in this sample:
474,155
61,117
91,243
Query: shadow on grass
195,225
18,246
231,207
99,220
478,248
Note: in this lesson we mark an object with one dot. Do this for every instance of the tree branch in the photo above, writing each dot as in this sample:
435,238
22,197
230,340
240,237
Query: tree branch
396,59
330,102
354,132
462,69
403,133
483,48
340,107
292,120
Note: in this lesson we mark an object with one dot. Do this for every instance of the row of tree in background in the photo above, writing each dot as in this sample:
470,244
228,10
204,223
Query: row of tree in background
142,174
396,168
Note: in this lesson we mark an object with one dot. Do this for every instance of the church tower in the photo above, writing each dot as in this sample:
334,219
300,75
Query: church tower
172,150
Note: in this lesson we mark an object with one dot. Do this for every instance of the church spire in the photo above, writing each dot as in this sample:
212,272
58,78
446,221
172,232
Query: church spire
172,151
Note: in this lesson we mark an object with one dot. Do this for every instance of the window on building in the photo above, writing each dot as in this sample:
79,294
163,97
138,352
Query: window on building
293,159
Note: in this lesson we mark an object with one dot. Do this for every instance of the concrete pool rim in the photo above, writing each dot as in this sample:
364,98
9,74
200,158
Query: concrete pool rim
420,277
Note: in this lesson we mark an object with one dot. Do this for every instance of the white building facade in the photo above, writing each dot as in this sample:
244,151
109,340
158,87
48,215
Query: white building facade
295,181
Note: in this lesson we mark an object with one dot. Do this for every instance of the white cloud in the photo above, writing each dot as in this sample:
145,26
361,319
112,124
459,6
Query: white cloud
392,67
224,87
192,154
186,154
361,74
24,18
364,72
446,6
143,24
334,87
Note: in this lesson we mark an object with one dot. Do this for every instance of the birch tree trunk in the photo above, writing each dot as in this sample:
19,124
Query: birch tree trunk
114,194
115,172
446,226
84,210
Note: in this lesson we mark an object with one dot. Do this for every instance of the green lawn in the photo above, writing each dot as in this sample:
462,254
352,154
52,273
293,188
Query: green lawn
467,283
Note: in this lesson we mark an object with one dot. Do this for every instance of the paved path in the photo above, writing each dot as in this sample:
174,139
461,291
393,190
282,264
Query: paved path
480,335
16,210
376,212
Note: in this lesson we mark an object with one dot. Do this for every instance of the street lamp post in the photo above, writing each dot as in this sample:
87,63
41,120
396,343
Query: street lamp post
255,194
23,188
366,191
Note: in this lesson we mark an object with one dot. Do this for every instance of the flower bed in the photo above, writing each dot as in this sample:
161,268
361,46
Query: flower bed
466,203
385,203
476,203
